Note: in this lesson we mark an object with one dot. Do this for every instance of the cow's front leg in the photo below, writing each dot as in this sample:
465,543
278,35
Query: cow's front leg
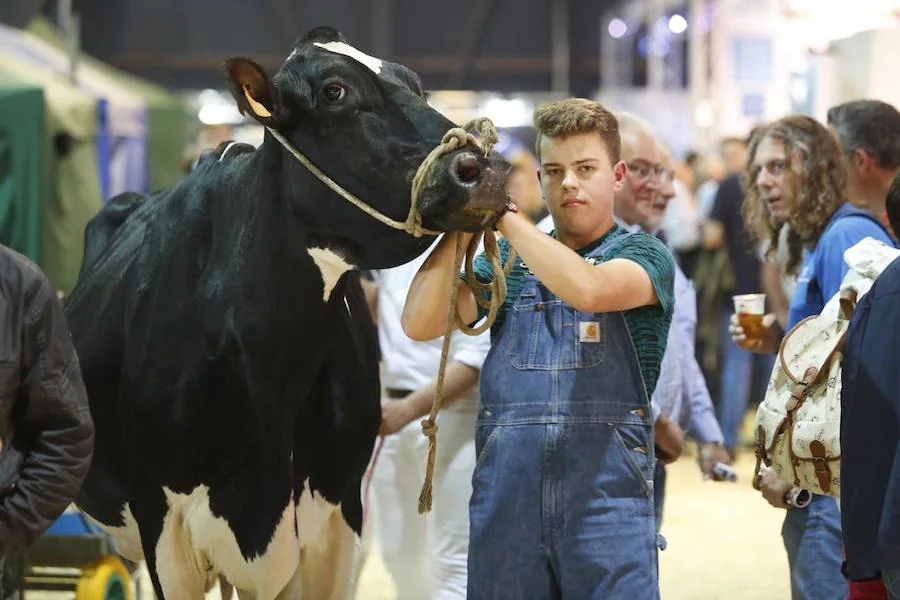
173,570
330,569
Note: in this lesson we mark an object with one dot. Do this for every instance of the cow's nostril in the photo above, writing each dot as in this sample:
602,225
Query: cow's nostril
467,168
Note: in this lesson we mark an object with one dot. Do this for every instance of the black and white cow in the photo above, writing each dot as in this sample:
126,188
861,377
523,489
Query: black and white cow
224,338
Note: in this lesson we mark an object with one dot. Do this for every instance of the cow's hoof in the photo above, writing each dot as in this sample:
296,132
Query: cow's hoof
104,579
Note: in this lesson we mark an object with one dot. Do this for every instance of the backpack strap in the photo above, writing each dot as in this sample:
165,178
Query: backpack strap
848,303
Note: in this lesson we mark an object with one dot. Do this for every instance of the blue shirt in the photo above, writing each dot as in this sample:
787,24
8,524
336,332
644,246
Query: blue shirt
824,267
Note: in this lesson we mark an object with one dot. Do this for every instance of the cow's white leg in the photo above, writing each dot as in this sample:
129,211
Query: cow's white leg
179,574
329,571
294,589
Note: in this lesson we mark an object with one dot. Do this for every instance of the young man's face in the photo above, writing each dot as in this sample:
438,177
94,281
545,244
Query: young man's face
578,181
634,201
776,180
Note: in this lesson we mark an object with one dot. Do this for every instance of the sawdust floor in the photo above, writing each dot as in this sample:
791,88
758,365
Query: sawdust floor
724,542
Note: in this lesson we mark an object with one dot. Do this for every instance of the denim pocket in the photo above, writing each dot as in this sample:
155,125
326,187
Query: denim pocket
526,321
552,335
484,440
583,340
633,440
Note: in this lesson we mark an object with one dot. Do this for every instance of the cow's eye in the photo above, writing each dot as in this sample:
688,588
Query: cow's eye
335,92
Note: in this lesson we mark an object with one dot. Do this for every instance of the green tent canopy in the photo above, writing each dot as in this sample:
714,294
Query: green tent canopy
22,166
70,190
167,114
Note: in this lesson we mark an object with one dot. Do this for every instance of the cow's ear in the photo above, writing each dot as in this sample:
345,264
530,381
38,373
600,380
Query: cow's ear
251,87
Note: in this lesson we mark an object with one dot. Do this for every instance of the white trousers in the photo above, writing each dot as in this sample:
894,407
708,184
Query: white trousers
426,555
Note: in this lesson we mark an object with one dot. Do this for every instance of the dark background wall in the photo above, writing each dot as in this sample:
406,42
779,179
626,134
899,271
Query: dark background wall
502,45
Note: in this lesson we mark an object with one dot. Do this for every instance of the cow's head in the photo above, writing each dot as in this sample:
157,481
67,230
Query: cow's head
365,123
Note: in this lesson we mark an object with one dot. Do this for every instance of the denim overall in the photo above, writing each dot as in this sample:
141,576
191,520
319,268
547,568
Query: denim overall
562,505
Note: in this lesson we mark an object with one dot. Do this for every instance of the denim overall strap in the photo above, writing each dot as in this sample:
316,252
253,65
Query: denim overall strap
563,478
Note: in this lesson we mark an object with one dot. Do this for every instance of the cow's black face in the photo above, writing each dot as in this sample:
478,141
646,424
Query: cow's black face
366,124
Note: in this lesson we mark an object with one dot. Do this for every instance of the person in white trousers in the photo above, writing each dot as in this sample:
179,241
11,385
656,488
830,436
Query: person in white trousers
425,554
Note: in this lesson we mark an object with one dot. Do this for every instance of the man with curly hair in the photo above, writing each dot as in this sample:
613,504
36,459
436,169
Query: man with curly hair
796,175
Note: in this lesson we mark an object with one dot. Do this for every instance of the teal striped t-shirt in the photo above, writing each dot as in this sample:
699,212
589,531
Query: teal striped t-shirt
648,325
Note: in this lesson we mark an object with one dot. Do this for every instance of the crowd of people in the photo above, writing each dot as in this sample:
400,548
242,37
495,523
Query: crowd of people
618,342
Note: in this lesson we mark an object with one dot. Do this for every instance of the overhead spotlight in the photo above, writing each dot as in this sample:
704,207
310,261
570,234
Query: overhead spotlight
617,28
677,24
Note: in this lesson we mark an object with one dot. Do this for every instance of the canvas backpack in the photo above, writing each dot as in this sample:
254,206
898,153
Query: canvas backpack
798,423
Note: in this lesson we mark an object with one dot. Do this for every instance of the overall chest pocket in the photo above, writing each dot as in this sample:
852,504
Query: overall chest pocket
550,335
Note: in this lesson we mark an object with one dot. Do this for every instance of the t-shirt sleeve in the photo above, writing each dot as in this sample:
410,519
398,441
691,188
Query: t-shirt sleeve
657,261
844,234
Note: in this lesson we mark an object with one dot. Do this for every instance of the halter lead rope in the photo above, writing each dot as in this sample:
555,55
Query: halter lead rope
454,139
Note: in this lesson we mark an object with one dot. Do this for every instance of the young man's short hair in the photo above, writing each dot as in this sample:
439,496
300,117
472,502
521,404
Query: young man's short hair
573,116
872,125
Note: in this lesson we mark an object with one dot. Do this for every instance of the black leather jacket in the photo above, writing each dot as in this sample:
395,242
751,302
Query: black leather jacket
46,431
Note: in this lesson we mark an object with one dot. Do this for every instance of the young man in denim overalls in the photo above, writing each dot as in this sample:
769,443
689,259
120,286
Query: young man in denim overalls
562,503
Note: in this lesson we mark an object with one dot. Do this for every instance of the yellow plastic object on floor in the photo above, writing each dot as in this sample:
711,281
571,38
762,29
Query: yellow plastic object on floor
104,579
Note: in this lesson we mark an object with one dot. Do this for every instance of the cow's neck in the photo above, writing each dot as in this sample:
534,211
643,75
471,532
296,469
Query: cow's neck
287,232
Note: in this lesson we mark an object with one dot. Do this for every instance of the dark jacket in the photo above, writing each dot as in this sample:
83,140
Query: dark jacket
46,431
870,431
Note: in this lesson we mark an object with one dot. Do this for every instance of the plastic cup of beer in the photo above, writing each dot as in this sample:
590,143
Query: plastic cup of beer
750,309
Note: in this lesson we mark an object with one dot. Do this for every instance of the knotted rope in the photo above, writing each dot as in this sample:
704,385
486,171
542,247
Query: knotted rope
497,289
454,139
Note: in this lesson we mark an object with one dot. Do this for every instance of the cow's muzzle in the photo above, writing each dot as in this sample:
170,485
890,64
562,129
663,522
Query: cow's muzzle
464,190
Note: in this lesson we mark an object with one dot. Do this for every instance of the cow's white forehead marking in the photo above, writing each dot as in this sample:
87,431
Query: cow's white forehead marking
373,63
331,266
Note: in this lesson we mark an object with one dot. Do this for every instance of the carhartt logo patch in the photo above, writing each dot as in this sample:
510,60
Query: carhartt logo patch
589,331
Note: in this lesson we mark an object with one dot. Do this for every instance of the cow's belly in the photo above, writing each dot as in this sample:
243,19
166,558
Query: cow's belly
195,543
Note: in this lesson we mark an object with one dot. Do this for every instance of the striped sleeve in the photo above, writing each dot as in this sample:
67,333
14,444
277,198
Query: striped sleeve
481,268
657,261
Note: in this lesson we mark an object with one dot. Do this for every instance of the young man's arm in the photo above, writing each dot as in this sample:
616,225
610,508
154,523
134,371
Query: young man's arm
428,300
613,286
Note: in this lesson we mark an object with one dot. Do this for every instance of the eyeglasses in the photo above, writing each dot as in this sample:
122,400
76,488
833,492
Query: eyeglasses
643,170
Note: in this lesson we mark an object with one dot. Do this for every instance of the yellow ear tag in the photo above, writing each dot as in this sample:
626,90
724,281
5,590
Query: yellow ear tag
256,107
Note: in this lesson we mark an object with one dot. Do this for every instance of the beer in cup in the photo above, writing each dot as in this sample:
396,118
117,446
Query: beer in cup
750,309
